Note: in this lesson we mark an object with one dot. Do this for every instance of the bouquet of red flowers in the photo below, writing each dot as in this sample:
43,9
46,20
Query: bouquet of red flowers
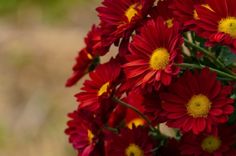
169,90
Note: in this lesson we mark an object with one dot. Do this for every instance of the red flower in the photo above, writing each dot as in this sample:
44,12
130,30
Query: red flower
197,101
122,115
162,10
101,86
135,99
131,142
83,62
218,144
153,54
218,23
118,18
87,56
83,133
184,12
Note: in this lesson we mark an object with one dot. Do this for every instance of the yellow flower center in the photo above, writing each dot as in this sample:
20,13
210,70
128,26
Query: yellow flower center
134,150
90,136
228,26
169,22
195,15
132,11
136,122
198,106
159,59
103,89
211,144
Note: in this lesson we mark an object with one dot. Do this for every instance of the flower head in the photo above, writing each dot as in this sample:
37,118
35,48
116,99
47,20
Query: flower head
196,102
97,91
218,24
153,54
220,142
119,18
87,57
131,142
83,134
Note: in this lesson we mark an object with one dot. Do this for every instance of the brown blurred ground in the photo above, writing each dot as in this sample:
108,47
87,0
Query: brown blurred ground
35,60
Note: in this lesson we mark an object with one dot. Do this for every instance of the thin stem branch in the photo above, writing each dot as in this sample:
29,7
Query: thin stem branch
196,66
135,110
210,55
206,52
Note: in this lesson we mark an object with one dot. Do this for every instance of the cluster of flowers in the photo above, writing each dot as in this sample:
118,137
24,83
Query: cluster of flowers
174,67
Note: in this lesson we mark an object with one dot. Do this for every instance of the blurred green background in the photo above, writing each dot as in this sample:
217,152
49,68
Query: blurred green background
38,42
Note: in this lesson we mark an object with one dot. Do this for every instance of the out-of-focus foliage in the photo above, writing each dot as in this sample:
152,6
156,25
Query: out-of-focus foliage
51,9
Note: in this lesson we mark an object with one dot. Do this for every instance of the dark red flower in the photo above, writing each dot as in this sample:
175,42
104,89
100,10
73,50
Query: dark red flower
135,99
197,101
123,116
216,144
162,10
184,12
81,67
119,18
88,55
131,142
83,133
101,86
153,54
218,24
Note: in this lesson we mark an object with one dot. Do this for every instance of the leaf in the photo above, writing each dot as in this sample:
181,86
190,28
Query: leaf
226,55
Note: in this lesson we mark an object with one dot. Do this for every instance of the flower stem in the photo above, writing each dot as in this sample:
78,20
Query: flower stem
135,110
210,55
206,52
200,66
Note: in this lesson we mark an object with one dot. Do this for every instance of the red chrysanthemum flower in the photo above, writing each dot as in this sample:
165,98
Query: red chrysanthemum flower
153,54
86,58
162,10
184,12
215,144
131,142
218,24
83,133
135,99
122,116
83,62
119,18
197,101
101,86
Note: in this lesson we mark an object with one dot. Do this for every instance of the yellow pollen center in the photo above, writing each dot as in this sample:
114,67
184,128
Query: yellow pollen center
169,23
198,106
136,122
132,11
134,150
103,89
159,59
228,26
211,144
90,136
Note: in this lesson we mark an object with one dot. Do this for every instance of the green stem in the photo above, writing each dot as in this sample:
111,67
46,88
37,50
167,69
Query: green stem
204,51
196,66
135,110
210,55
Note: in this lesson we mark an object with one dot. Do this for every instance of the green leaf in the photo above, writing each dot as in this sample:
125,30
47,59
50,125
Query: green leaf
226,55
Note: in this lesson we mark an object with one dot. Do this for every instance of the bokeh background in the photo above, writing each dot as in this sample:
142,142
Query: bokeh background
38,42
